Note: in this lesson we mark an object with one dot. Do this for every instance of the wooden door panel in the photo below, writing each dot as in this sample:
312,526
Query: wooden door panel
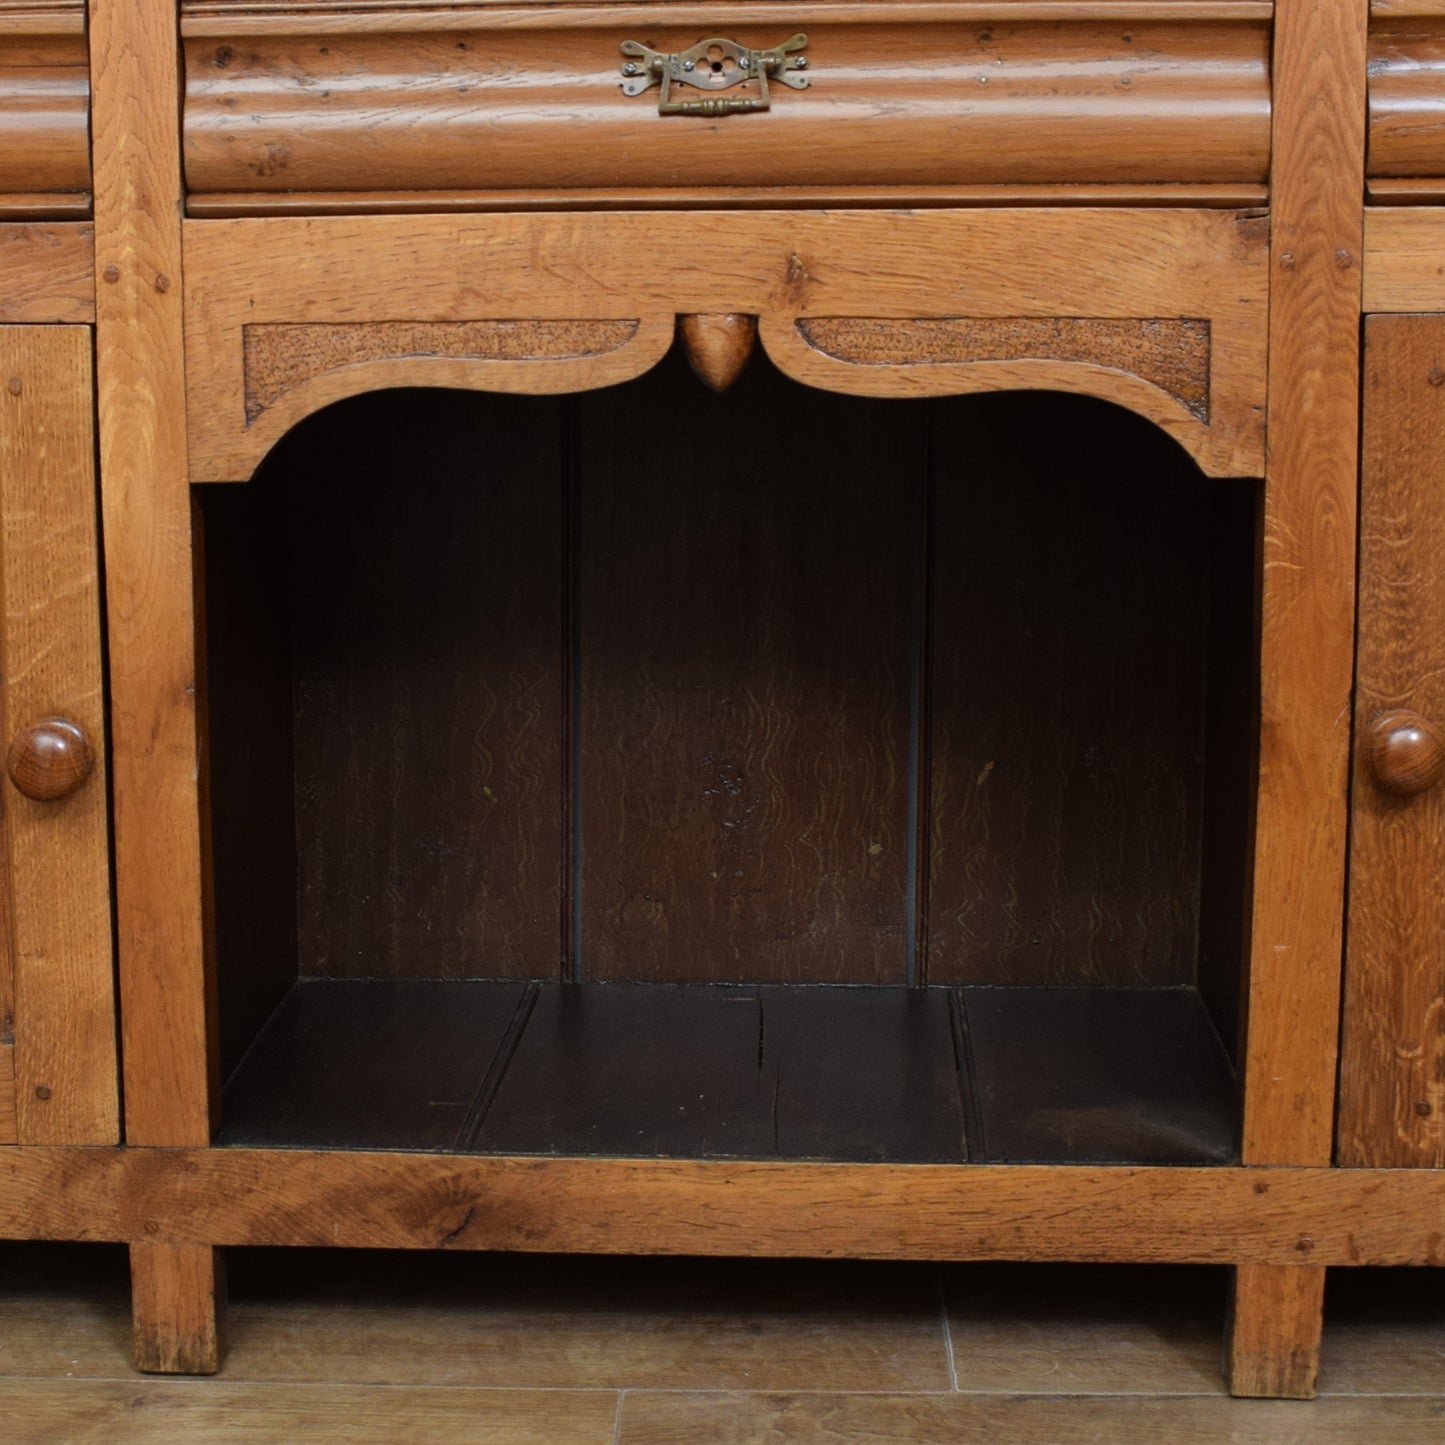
1392,1078
50,660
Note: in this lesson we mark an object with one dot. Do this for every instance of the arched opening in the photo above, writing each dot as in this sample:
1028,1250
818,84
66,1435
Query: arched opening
773,774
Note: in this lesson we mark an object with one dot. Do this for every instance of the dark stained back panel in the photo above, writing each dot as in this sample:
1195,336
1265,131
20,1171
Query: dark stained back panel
251,824
1067,678
747,589
818,647
427,562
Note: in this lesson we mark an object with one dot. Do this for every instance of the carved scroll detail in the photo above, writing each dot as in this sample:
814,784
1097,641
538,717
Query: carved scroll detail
281,356
1170,353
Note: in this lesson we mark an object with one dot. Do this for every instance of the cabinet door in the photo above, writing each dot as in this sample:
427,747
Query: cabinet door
1392,1078
57,1051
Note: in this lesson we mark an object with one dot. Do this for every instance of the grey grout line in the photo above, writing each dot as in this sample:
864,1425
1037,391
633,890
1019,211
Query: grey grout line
947,1328
617,1419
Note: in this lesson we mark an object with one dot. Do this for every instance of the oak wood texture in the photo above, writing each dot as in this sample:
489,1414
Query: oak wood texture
237,204
1404,752
9,1133
718,347
894,98
281,17
170,1057
226,1197
1392,1079
47,272
178,1303
1406,159
1404,259
1306,645
50,759
1273,1349
1045,263
44,110
59,864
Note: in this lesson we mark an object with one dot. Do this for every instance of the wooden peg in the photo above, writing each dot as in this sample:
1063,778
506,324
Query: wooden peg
718,346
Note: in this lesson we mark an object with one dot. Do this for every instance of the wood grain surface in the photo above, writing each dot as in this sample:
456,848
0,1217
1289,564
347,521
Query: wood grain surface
986,263
1273,1350
169,1050
44,109
1407,102
238,204
1307,637
178,1305
9,1134
1170,354
351,17
224,1197
59,853
802,1419
892,99
1064,817
279,357
1392,1078
47,272
1404,259
744,637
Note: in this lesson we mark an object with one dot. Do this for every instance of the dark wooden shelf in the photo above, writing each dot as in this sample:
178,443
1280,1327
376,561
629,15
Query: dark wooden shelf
852,1073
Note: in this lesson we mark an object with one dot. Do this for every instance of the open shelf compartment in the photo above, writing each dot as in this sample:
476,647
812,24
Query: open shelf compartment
774,775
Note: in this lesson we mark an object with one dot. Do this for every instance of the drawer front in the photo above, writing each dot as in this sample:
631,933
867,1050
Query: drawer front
481,100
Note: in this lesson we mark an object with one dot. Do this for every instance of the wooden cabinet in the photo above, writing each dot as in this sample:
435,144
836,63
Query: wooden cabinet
895,807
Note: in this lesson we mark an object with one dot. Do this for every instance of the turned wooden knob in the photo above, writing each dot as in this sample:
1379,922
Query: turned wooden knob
1404,752
50,759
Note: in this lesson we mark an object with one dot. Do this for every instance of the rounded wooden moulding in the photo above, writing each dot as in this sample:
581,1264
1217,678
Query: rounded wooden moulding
1404,752
50,759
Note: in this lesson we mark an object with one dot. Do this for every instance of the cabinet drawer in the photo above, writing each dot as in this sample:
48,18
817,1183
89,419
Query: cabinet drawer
482,99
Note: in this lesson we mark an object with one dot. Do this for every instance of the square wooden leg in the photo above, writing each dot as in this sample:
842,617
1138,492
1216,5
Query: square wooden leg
1276,1318
178,1302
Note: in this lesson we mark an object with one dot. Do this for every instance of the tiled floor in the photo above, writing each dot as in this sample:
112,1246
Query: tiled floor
452,1349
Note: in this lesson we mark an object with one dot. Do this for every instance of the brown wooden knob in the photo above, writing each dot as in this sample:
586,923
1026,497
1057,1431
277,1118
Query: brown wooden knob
1404,752
50,759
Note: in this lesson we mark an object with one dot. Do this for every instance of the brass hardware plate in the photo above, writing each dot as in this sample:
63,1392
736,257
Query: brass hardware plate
714,65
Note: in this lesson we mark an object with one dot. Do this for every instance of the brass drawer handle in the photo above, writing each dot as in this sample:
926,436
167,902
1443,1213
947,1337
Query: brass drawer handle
714,65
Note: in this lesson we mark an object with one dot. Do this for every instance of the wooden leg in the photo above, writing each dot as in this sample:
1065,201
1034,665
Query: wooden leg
178,1300
1273,1348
